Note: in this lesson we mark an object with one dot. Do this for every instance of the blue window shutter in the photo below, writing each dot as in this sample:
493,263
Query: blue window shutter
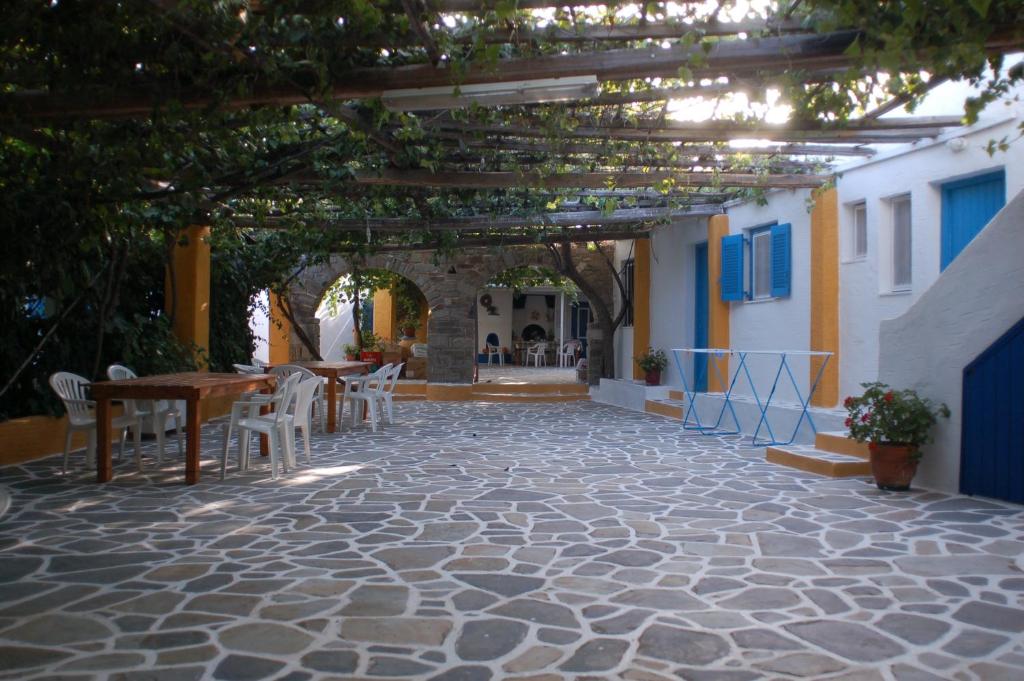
732,267
781,259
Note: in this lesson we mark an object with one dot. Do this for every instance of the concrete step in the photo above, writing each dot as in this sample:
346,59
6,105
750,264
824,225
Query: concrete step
496,396
670,408
533,388
838,443
812,460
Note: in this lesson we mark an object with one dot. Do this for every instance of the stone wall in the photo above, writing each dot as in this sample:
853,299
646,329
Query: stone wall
450,286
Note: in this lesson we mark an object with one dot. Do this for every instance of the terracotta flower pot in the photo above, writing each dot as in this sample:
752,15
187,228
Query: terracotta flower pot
893,466
653,377
350,358
409,331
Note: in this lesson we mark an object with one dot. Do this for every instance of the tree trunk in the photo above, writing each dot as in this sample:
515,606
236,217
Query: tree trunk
284,305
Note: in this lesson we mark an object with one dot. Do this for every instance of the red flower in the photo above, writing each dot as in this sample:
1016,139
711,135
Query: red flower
848,402
849,422
865,417
888,397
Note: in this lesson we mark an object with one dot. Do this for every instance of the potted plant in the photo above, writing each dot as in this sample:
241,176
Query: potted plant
409,326
351,351
653,362
894,423
372,350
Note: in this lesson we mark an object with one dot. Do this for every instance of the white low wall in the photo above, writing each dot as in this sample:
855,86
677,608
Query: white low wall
974,302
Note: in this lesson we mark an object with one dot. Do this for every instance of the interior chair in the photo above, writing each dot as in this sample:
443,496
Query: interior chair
366,392
319,395
157,410
567,355
493,346
246,418
538,353
72,390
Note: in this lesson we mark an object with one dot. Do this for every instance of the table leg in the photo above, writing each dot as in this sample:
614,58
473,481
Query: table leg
264,441
332,403
104,466
191,441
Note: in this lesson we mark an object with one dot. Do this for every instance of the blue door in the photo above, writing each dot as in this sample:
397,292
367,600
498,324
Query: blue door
992,445
700,317
578,321
967,206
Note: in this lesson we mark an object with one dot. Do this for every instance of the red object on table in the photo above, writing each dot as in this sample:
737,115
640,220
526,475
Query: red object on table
192,387
332,371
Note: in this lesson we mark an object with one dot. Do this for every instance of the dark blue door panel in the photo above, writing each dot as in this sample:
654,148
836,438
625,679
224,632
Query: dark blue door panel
967,206
992,448
700,322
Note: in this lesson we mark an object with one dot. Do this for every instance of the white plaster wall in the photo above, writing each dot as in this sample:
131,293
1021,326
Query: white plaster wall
501,323
975,301
335,331
775,323
672,289
865,295
259,322
536,303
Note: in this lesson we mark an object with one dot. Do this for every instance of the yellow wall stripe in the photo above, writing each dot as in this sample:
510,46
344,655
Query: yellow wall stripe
641,301
825,294
718,310
189,298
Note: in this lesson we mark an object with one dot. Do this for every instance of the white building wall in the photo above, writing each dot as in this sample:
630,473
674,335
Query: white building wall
866,297
775,323
673,276
335,331
975,301
500,323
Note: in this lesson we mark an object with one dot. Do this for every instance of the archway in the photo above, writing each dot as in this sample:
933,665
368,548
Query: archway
527,330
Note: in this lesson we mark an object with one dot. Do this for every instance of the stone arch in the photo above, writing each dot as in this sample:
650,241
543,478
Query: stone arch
449,285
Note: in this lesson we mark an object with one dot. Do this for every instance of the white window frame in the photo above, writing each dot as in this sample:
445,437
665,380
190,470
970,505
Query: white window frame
858,209
752,235
894,285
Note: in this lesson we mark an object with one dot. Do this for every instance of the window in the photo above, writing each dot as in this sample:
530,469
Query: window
761,263
859,231
627,283
901,243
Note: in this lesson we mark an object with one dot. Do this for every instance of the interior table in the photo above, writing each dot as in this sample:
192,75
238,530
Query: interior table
333,372
192,387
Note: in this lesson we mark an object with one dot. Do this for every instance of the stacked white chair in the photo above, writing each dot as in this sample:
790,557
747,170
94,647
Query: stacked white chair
72,390
246,418
388,396
567,355
159,410
366,391
305,395
319,395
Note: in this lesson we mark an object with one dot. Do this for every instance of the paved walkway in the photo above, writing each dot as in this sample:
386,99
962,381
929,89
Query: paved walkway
498,541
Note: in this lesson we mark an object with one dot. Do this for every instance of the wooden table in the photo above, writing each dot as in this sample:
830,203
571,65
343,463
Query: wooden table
190,386
332,371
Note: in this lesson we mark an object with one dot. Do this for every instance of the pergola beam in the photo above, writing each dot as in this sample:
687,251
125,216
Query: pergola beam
497,240
690,149
488,222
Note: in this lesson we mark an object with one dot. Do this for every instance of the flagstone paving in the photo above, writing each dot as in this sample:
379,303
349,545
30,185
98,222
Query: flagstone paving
505,541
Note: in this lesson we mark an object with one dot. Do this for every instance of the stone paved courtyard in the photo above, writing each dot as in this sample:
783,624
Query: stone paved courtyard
495,541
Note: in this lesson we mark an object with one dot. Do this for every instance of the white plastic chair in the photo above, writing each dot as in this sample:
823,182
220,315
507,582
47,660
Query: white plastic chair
319,395
388,396
494,351
72,390
567,355
247,369
246,418
305,395
159,410
536,352
366,391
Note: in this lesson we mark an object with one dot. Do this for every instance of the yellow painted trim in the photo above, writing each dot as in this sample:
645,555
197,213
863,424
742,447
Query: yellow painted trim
190,297
532,388
279,333
672,411
839,444
449,392
718,310
811,464
384,314
641,301
825,295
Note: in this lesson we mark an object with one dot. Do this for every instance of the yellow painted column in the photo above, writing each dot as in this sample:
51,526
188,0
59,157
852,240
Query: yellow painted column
189,298
718,309
384,321
825,295
641,301
279,333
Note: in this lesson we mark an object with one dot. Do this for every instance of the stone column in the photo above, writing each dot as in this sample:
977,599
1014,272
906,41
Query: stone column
595,354
189,298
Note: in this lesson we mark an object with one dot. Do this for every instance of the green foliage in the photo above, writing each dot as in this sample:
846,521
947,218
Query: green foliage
408,301
883,415
652,360
531,276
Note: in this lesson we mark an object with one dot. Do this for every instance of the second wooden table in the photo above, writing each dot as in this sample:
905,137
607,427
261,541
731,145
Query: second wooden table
332,371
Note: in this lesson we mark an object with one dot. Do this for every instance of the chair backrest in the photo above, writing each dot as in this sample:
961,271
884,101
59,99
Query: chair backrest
395,371
304,398
540,347
119,372
492,339
73,391
284,395
381,377
258,363
246,369
286,370
572,346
